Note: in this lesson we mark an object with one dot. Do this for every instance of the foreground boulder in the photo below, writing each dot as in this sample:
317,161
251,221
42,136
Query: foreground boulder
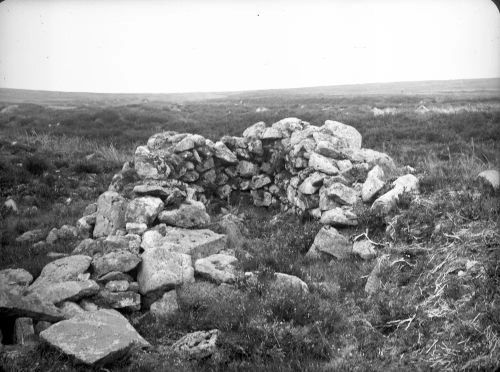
94,338
330,242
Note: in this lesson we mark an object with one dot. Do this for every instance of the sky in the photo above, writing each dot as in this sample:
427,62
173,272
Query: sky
154,46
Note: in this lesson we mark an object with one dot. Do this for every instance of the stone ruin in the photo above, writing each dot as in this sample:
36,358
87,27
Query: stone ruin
147,235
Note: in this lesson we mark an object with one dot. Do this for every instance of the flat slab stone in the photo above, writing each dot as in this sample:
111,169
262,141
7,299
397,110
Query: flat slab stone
94,338
197,243
62,270
14,305
70,290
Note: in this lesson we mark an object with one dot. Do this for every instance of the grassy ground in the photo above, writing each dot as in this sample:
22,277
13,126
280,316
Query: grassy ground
437,308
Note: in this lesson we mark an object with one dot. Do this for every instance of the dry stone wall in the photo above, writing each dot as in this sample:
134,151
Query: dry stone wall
320,170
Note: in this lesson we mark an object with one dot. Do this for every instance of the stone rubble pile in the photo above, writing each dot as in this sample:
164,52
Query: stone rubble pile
147,235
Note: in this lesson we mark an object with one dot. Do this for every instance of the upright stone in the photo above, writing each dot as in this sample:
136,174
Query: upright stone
110,214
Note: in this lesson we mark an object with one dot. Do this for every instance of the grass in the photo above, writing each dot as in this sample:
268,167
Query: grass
437,308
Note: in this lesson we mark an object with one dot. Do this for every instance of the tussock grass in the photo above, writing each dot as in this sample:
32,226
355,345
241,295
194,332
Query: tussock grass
71,145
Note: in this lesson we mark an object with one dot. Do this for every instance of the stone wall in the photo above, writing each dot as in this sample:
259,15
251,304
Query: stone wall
320,170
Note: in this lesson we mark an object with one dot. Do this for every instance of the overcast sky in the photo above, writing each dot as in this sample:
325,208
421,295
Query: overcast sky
201,45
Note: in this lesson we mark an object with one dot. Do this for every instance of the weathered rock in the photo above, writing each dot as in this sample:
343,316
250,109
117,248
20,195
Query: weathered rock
143,210
259,181
387,202
166,306
94,338
126,300
247,169
189,142
312,183
114,276
65,291
255,130
197,243
14,278
218,267
349,135
189,215
110,214
149,166
163,270
62,270
136,228
372,158
364,249
222,153
338,217
117,285
197,345
84,226
490,177
286,281
12,304
41,325
122,261
373,184
30,236
24,332
331,242
373,283
323,164
261,198
70,309
340,194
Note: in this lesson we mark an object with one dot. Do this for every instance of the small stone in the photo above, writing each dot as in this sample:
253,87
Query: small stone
490,177
143,210
117,285
136,228
218,267
123,261
166,306
259,181
364,249
197,345
323,164
329,241
30,236
24,332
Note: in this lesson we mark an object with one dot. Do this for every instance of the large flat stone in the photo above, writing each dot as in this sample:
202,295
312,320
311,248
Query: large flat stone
62,270
94,338
12,304
163,270
197,243
70,290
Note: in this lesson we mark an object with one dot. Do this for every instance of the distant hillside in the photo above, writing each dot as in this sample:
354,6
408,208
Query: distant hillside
485,86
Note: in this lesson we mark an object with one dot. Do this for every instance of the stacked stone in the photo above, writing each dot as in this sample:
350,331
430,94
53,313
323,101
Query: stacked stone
320,170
